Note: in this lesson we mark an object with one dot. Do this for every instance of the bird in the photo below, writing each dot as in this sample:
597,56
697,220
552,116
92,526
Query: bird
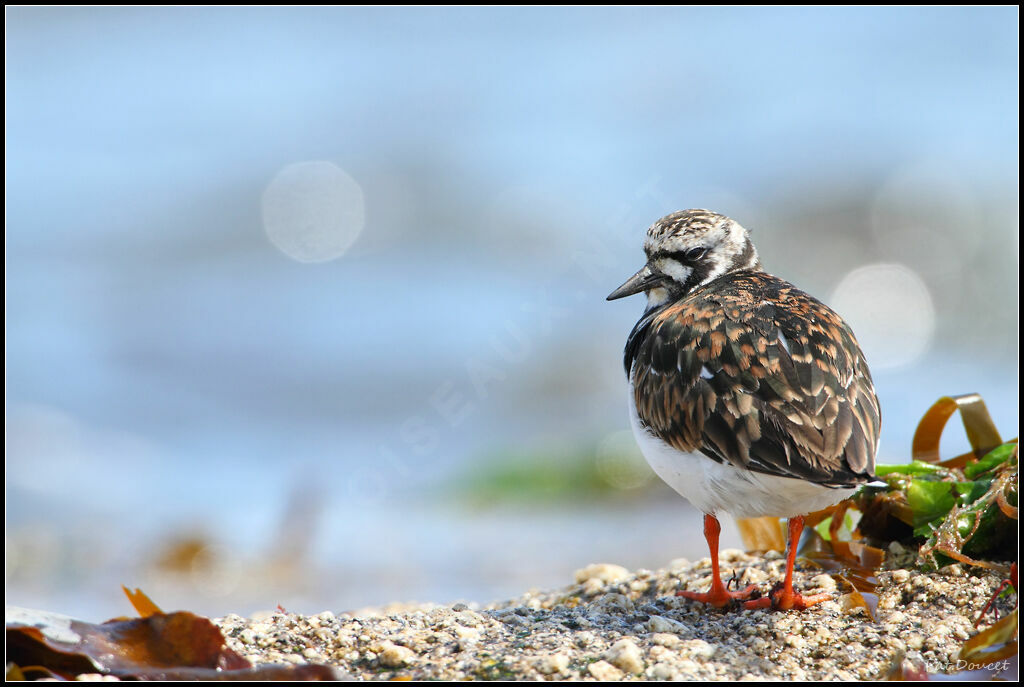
747,395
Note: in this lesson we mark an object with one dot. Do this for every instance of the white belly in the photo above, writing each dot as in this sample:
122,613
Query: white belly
713,487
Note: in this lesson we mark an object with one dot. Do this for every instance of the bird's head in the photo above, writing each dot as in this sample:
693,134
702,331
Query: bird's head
686,250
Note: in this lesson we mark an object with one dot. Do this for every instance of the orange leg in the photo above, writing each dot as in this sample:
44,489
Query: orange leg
718,596
782,597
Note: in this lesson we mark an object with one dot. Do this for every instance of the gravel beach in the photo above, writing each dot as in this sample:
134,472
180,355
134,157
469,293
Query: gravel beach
614,624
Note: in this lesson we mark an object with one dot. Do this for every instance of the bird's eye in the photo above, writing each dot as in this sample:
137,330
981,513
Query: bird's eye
695,254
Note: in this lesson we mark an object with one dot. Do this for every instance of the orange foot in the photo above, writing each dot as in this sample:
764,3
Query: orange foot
720,597
782,599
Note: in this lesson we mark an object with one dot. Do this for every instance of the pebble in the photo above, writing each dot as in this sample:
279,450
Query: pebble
612,624
660,624
662,671
824,582
394,656
699,649
679,564
468,633
626,656
553,663
688,667
754,576
605,671
665,640
603,572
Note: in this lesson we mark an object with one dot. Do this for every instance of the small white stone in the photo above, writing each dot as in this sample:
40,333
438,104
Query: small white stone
552,663
699,649
394,656
470,618
660,653
626,655
688,667
605,671
614,603
900,575
658,623
679,564
605,572
639,585
584,639
824,582
468,633
661,671
666,640
887,601
754,576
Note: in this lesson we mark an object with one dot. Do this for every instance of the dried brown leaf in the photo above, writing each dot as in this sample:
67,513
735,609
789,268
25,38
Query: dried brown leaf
995,643
159,646
981,430
143,605
762,534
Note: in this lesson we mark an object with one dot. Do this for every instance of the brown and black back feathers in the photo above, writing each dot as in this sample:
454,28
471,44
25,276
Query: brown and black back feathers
750,370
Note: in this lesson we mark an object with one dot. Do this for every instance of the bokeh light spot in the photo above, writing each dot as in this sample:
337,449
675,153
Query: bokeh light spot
889,308
313,211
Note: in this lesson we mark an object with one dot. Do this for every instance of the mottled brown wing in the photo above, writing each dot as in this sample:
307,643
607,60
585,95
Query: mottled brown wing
755,372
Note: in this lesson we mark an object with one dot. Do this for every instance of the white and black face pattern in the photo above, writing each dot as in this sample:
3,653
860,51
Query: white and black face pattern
693,247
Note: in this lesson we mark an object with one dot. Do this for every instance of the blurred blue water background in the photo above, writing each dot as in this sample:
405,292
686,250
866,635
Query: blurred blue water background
189,354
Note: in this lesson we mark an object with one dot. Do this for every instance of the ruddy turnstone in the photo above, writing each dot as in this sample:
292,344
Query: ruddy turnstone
746,394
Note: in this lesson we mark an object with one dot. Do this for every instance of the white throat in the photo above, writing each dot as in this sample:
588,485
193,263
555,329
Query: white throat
656,296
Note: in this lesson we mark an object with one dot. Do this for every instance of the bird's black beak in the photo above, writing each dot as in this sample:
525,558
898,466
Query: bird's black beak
645,279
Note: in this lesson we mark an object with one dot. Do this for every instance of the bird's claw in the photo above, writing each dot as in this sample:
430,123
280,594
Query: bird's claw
720,597
782,599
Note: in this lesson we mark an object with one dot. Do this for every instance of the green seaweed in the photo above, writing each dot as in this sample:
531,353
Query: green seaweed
930,501
914,467
954,512
992,460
